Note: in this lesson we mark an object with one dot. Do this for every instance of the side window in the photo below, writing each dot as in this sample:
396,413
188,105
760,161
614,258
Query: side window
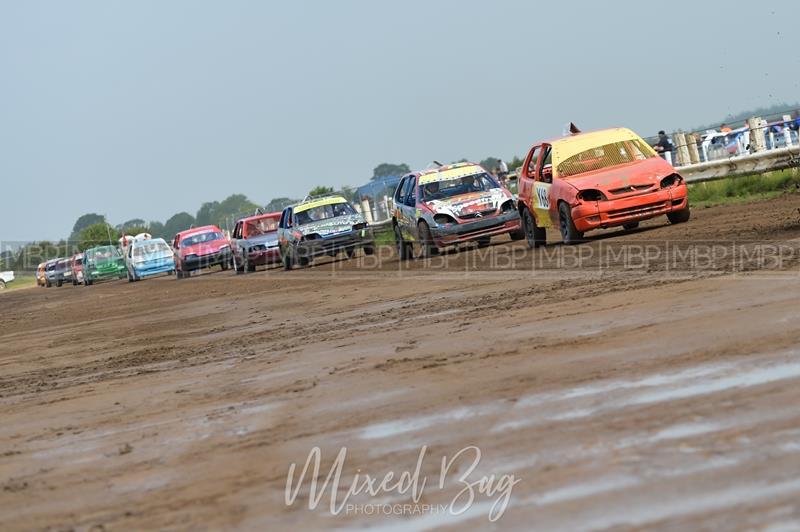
545,175
288,218
398,194
534,158
411,198
237,231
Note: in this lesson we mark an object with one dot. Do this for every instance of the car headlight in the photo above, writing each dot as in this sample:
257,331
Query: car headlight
191,256
591,194
671,180
443,219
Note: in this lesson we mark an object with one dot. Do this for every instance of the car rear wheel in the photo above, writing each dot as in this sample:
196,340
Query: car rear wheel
429,249
404,249
350,252
484,242
630,225
2,284
369,250
569,233
679,217
535,235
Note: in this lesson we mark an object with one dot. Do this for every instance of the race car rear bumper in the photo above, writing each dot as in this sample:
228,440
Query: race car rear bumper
357,238
195,262
611,213
445,235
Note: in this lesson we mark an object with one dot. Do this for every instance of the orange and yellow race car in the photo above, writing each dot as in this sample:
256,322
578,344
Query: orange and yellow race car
595,180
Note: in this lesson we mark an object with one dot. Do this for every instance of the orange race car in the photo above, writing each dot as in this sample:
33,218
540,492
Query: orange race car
595,180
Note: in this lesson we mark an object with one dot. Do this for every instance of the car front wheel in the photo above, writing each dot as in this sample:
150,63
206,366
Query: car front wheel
535,235
404,249
569,233
426,241
679,217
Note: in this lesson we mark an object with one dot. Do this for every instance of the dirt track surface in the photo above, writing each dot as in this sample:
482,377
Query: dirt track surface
641,380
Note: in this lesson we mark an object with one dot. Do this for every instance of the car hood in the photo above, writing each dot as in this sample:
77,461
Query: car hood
108,264
634,175
269,239
204,248
331,226
473,202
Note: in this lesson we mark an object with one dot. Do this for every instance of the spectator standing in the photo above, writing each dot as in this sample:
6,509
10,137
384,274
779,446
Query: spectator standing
502,170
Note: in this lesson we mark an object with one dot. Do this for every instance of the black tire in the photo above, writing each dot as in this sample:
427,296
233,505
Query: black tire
179,274
369,250
130,278
679,217
535,235
59,283
429,249
246,263
224,265
630,225
569,233
74,282
303,261
517,235
350,252
2,284
405,250
47,284
484,242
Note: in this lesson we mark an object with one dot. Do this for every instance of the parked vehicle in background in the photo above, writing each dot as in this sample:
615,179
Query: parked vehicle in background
5,278
146,258
102,263
40,280
255,242
63,272
449,205
322,226
50,272
77,269
596,180
201,247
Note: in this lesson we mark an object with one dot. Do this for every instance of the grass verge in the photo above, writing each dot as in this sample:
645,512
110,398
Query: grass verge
744,188
21,281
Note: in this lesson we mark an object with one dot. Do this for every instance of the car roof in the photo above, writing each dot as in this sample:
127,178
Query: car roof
318,202
196,230
139,243
260,217
449,171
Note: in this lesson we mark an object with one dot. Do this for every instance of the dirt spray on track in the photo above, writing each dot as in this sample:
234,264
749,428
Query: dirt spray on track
624,383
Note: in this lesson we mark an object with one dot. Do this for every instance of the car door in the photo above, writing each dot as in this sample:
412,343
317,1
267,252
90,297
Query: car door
407,209
542,185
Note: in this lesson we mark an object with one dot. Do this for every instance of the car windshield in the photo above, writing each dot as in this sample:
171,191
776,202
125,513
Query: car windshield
323,212
105,253
605,156
261,226
200,238
449,188
155,247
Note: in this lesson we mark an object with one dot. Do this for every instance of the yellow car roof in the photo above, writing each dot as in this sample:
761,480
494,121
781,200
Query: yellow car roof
328,200
566,147
450,172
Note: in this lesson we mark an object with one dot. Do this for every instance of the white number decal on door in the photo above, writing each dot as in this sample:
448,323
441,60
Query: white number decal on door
542,196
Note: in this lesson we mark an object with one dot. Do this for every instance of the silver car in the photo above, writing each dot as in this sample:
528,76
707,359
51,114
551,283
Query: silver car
322,226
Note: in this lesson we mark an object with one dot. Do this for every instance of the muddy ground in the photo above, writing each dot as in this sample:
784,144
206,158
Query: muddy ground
641,380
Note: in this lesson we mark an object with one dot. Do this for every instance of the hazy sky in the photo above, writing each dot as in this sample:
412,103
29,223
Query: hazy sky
147,108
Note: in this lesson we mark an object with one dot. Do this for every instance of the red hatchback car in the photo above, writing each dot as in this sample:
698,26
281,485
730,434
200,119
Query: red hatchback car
595,180
200,247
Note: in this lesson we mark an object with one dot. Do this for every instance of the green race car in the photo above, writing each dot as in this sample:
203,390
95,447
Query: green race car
102,263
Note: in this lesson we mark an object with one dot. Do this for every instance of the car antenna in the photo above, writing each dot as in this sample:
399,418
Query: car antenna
437,163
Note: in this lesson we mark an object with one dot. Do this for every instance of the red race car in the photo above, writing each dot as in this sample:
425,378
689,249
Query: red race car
200,247
596,180
255,242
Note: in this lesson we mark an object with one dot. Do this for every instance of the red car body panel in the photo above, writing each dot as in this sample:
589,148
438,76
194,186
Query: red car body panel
259,256
200,255
631,192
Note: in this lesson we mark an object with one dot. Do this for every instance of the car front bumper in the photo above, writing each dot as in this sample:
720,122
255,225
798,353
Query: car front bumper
99,275
611,213
205,261
262,256
149,269
359,238
445,235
